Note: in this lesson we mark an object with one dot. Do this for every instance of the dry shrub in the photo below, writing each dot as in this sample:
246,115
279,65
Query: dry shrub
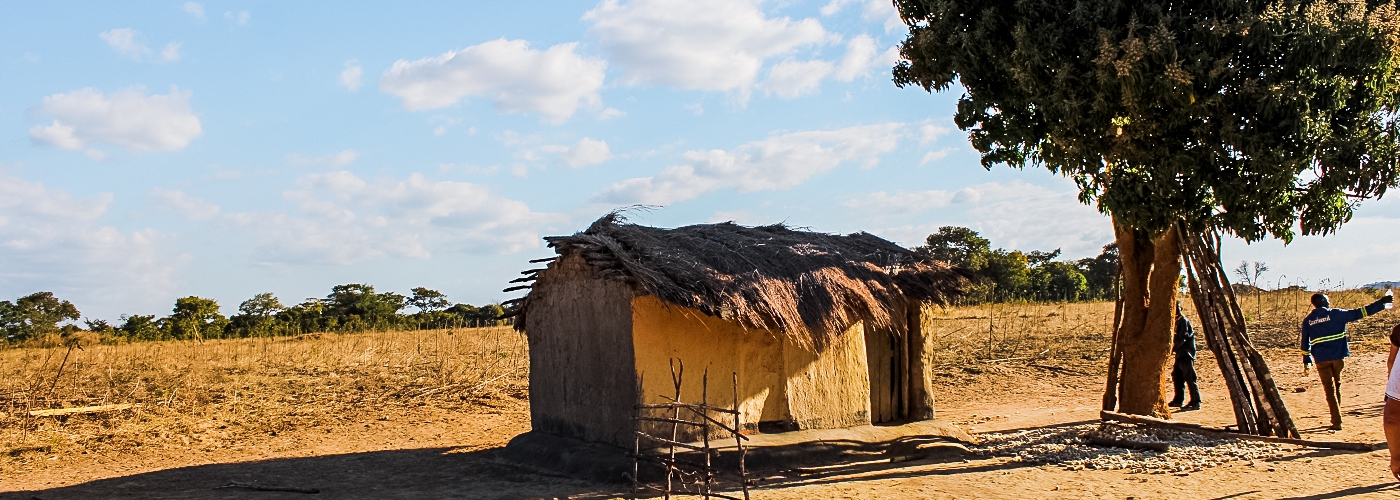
222,392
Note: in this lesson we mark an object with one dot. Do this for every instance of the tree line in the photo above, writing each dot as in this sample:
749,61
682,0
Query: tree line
1001,275
348,308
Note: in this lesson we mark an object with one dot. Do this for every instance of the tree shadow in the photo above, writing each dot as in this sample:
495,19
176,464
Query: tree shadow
1355,490
411,473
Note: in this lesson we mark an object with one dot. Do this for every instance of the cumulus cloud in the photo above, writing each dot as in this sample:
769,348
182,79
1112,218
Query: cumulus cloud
583,153
715,45
553,83
187,206
933,156
1013,214
881,11
929,133
241,17
863,56
777,162
352,75
341,219
195,9
125,42
127,118
792,79
51,240
335,160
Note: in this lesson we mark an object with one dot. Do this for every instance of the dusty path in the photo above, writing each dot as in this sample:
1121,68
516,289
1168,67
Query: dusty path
433,453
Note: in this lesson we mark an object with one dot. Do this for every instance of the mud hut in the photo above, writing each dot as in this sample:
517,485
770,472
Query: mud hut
823,331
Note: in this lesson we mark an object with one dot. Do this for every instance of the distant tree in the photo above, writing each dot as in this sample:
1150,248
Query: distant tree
196,318
140,327
34,315
428,300
263,305
1055,281
257,317
99,326
357,306
958,246
1100,272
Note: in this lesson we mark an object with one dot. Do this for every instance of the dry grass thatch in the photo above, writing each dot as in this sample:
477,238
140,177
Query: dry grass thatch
809,286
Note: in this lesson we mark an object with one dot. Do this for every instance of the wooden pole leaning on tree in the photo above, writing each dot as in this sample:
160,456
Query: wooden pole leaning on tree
1259,409
1115,352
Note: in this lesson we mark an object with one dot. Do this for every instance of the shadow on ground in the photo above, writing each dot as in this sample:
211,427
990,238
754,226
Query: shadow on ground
415,473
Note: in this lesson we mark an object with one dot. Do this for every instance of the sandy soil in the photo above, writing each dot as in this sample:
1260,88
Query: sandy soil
429,452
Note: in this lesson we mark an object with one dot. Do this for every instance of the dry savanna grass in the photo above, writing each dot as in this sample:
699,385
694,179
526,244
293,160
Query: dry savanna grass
230,393
234,394
1074,338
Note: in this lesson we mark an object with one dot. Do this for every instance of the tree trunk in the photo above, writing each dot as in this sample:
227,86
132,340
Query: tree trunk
1151,273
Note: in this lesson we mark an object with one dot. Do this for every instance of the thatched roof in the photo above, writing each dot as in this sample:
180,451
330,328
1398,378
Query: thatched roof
809,286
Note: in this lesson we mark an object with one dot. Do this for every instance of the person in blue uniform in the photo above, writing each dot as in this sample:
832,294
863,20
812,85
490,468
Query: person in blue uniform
1184,369
1325,341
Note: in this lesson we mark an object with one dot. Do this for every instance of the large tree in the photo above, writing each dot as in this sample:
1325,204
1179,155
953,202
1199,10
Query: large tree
1255,119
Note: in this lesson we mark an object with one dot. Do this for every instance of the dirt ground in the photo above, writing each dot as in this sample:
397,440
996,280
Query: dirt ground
432,452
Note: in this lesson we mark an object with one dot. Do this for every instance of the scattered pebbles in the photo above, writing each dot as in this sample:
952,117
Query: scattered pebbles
1069,448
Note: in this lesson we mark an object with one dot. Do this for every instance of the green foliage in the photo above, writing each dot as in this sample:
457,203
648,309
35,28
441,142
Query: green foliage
1002,275
141,328
196,318
1250,117
428,300
34,315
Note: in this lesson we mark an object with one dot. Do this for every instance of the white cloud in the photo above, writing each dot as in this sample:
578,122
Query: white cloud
53,241
517,79
123,40
342,219
774,163
714,45
929,133
352,75
792,79
610,113
240,17
335,160
187,206
881,11
1015,215
932,156
128,118
862,56
171,52
583,153
195,9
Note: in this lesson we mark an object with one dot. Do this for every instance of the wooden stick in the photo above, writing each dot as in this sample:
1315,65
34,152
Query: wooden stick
1223,434
84,409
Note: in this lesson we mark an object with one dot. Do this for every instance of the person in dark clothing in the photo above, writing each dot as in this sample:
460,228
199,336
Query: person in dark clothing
1324,338
1184,370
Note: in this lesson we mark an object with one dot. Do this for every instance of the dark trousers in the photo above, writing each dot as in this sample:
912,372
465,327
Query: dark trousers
1331,374
1184,376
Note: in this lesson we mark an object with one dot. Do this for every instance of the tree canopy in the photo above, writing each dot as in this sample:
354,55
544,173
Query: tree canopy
1249,117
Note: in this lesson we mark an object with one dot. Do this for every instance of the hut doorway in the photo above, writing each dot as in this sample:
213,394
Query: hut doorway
885,360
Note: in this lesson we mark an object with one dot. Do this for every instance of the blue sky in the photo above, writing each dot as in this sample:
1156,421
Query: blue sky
156,150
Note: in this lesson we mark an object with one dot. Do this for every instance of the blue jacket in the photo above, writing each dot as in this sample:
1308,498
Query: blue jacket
1325,331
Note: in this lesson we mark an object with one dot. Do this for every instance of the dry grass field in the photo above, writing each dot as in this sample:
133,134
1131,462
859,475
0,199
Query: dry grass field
231,393
424,414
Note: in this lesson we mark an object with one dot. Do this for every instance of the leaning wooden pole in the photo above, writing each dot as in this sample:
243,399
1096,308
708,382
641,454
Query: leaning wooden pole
1259,408
1115,351
1215,340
